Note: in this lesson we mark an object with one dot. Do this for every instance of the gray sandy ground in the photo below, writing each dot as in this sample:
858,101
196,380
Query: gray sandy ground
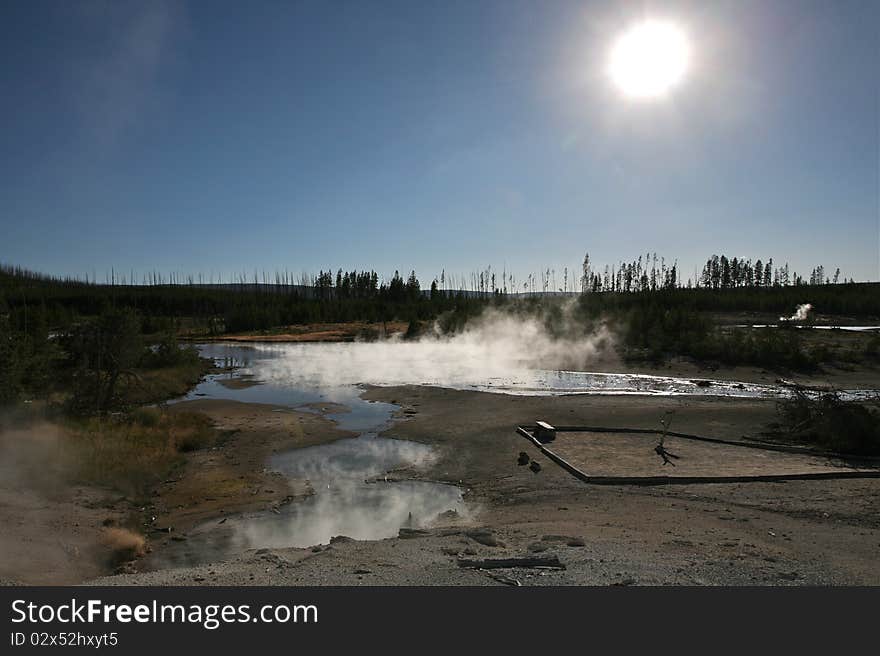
793,533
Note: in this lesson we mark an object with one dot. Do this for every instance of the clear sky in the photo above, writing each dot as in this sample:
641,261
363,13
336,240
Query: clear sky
212,136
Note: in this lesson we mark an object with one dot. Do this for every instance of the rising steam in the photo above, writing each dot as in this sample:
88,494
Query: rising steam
497,345
801,313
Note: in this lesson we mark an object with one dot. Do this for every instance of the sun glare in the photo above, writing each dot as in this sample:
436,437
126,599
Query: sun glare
649,59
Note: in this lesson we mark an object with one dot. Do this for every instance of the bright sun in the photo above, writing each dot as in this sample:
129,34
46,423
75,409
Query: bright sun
649,59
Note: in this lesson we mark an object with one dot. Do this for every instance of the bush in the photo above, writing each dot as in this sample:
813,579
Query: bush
169,353
827,421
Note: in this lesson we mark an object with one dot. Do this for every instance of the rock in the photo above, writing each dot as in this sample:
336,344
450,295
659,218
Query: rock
538,547
555,538
363,571
576,542
408,533
484,537
337,539
535,466
548,562
523,458
506,580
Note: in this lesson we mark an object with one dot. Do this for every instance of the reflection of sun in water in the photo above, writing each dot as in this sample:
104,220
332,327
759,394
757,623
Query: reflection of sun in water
649,59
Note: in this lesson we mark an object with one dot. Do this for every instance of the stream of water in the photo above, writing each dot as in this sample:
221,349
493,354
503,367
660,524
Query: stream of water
351,494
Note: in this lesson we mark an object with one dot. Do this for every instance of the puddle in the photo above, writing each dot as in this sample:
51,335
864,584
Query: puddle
343,503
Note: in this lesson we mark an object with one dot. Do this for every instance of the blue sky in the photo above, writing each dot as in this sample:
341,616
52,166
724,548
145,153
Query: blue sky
226,137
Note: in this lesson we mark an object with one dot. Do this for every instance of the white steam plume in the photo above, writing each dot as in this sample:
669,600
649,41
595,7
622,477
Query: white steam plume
497,345
800,314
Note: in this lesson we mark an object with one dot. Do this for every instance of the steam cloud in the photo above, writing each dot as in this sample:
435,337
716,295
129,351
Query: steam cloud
497,345
801,313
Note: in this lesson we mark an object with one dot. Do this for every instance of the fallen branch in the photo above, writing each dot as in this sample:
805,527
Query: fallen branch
524,562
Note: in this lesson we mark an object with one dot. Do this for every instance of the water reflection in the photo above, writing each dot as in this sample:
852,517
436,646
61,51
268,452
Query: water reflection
347,501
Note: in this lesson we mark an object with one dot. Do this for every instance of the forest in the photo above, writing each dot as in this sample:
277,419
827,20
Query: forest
56,331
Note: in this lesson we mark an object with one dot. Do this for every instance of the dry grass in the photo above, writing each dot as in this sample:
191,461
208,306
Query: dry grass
122,545
131,454
153,385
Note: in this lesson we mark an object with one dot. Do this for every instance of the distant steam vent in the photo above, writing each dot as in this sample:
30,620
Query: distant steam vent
802,313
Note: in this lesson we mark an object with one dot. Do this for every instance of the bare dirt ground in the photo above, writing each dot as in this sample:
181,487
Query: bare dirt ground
803,532
52,530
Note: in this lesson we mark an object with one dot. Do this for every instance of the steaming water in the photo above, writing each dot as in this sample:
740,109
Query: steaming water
348,500
296,374
352,496
298,392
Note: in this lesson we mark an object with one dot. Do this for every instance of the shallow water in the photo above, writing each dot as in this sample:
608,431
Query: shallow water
296,374
348,500
857,329
352,496
299,392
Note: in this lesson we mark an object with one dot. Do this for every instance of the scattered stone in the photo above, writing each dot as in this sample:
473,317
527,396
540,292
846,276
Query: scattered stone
363,571
523,458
